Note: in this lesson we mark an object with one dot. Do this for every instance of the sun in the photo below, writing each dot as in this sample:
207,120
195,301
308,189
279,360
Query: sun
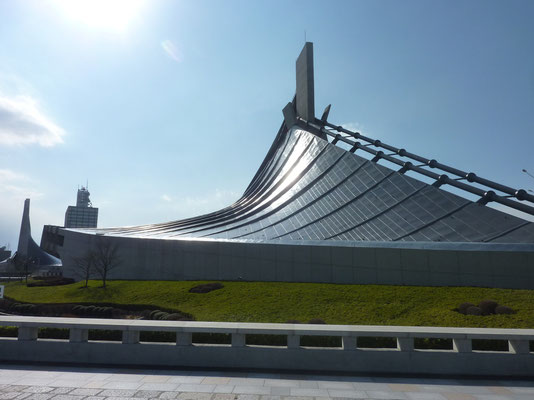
109,15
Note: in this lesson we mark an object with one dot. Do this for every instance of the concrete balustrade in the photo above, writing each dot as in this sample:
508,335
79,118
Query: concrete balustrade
461,359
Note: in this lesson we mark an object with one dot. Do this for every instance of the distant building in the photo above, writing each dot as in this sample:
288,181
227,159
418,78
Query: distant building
4,253
83,215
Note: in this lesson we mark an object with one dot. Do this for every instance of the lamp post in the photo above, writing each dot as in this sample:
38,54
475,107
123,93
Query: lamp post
529,174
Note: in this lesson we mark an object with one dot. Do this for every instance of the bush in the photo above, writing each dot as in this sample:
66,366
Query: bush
293,321
51,282
503,310
487,307
462,308
206,288
473,311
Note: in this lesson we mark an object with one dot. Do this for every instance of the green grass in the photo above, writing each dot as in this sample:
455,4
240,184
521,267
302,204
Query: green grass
279,302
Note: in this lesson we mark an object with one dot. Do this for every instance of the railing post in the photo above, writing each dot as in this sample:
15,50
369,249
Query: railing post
130,337
349,342
519,346
405,344
238,340
184,338
78,335
293,341
462,345
27,333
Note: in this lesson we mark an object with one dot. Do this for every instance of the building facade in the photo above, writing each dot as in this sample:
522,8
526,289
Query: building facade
83,215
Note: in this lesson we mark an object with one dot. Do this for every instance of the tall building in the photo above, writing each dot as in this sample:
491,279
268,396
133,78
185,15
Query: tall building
83,215
332,205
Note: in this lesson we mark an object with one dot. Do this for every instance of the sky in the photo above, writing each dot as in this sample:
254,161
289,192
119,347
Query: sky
167,108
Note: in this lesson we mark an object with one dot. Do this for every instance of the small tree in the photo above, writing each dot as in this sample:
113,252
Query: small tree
22,264
85,265
106,258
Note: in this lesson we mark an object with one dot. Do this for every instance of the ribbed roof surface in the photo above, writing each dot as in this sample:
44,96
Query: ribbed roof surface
310,189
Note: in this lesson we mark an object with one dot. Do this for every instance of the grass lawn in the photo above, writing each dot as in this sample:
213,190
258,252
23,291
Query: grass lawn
280,302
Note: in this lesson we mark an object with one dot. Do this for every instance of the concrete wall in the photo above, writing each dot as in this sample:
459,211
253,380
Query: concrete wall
459,360
419,264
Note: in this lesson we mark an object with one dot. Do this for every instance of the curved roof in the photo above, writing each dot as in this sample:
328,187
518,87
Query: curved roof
310,189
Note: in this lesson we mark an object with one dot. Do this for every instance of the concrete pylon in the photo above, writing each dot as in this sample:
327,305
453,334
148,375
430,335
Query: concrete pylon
25,235
305,84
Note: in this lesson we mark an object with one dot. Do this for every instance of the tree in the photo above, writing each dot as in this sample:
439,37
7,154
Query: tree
106,258
22,264
85,265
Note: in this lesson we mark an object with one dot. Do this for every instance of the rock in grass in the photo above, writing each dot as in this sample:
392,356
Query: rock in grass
503,310
487,306
473,311
462,308
206,287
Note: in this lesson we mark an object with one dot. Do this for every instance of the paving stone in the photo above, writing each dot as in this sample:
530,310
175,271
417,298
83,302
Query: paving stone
38,389
425,396
248,397
168,395
61,390
252,390
155,379
458,396
271,398
123,385
281,383
194,396
67,397
225,389
350,394
224,396
308,392
23,395
85,392
39,396
214,380
402,387
335,385
189,387
117,393
385,395
147,394
160,387
8,395
186,379
94,398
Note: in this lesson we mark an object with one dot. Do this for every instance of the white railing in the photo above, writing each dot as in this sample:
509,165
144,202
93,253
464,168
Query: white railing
460,359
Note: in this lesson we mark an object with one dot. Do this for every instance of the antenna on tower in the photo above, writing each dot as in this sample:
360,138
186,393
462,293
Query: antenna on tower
87,184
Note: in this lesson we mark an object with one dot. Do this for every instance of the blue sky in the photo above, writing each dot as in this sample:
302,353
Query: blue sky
168,107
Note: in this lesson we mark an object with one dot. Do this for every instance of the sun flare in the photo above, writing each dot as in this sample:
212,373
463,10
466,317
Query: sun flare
111,15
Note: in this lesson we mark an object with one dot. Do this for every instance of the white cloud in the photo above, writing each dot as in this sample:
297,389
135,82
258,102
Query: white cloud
16,186
23,123
166,198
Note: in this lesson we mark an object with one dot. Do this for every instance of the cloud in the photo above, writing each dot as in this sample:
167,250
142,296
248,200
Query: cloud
172,50
16,186
23,123
166,198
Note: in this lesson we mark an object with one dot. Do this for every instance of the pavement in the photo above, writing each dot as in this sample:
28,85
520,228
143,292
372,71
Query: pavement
24,382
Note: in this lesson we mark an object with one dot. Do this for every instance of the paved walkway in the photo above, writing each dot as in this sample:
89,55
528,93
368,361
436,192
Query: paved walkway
72,383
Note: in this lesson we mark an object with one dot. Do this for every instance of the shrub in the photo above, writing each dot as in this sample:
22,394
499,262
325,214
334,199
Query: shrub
473,311
160,315
464,306
503,310
206,288
152,313
487,307
293,321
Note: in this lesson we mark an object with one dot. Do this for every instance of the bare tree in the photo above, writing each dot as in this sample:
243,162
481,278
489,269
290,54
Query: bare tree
85,265
106,258
22,264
